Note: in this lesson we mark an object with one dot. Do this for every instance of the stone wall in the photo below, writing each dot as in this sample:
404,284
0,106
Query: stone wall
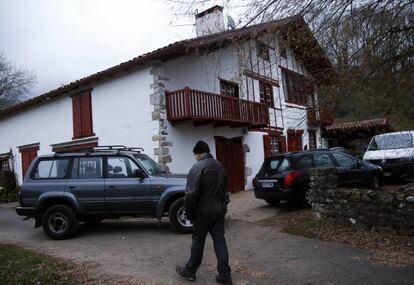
390,209
157,99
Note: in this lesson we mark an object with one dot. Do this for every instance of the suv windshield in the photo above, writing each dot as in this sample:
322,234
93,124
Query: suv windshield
391,142
150,165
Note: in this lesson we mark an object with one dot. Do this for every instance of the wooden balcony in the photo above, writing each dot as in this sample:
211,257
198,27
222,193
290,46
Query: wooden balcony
208,108
320,117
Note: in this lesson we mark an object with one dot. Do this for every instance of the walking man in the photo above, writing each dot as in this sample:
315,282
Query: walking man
206,200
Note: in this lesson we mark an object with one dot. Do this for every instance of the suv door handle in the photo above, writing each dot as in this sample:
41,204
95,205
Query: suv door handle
111,186
72,187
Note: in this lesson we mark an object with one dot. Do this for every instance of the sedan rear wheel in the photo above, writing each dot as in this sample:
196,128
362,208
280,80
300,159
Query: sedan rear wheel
305,199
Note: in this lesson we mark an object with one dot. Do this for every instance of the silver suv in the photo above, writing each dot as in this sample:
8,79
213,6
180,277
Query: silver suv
63,189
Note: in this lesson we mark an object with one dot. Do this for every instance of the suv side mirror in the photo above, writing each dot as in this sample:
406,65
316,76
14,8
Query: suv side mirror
139,174
358,164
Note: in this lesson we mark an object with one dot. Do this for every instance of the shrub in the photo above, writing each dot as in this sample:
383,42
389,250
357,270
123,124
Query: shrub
8,193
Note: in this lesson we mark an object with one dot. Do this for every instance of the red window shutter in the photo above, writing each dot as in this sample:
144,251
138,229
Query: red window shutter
82,115
266,145
28,155
86,109
290,140
312,139
77,117
282,144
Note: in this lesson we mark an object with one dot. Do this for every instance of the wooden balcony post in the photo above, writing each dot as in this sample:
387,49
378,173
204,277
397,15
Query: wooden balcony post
168,104
187,101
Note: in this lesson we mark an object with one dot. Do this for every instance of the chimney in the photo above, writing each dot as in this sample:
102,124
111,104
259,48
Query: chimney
209,21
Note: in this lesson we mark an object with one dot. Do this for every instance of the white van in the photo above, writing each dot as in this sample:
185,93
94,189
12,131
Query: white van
394,152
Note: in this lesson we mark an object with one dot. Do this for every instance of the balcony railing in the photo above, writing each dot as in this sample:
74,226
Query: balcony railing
203,108
320,117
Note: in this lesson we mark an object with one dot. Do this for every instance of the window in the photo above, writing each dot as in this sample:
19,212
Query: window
273,144
266,94
4,165
284,166
276,164
229,88
150,165
262,50
51,169
82,115
304,162
344,160
121,167
90,168
323,160
273,164
297,88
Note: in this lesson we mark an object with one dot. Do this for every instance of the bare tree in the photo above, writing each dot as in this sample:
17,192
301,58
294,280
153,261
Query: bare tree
15,83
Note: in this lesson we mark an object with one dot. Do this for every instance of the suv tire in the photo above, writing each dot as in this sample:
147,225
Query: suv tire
60,222
178,218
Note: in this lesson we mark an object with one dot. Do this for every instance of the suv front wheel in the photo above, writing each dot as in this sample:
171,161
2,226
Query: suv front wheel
60,222
178,217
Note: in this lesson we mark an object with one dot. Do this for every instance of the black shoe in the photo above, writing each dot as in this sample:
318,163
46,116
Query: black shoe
222,280
183,273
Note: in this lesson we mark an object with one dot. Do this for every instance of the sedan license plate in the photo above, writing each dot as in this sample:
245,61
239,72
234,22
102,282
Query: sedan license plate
267,184
388,174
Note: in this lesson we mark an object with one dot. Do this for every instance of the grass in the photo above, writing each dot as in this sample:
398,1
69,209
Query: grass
23,266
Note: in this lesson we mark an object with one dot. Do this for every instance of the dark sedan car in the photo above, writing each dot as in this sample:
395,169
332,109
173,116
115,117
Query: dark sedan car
286,176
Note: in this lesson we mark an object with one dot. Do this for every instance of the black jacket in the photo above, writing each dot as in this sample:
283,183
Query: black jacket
206,190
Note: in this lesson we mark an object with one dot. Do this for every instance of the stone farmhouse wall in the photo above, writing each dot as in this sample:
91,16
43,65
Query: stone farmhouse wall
386,210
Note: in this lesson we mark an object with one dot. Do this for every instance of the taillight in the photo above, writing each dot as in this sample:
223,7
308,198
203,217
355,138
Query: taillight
254,182
290,178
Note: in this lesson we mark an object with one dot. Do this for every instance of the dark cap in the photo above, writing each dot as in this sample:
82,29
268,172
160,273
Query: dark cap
201,147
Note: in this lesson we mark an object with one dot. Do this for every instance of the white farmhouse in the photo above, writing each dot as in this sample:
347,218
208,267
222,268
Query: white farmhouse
248,92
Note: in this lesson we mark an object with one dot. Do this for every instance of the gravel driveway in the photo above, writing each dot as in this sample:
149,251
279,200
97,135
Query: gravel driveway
148,250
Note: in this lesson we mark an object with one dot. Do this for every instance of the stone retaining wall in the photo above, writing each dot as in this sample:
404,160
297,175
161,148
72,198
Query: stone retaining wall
387,210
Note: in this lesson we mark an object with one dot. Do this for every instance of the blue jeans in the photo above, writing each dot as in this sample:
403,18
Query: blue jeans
215,226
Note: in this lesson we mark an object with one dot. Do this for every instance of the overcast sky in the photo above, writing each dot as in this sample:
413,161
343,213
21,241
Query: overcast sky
62,41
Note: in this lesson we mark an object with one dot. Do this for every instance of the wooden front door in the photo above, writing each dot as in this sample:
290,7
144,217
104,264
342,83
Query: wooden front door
230,153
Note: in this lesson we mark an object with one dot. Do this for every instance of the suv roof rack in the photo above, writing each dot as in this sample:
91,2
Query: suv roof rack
103,148
118,148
